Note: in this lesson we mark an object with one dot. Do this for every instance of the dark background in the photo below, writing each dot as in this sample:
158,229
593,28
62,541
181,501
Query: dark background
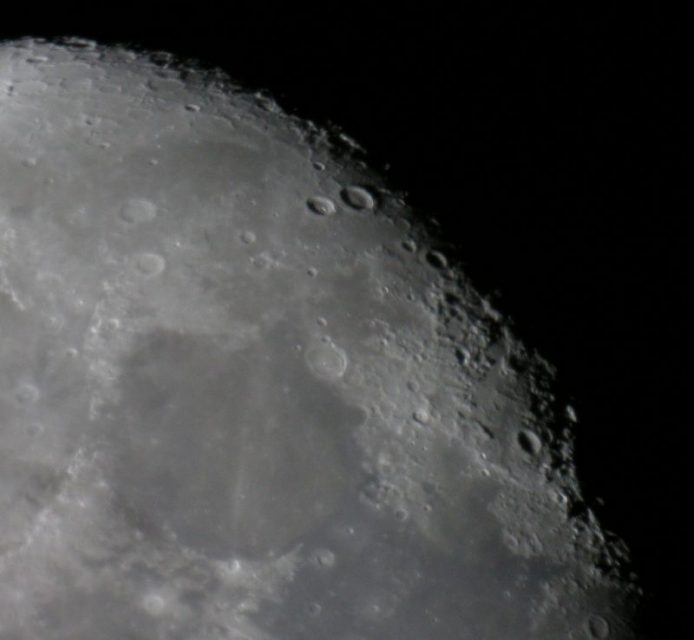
551,148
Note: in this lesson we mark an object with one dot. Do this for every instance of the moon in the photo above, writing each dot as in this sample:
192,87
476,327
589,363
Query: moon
246,396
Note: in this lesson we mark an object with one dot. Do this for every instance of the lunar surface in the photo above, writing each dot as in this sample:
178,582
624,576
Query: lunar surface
245,396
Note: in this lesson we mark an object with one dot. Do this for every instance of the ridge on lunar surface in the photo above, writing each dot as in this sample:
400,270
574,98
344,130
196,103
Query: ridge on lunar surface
245,396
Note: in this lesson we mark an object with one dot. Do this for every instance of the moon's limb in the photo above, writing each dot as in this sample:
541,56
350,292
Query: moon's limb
243,396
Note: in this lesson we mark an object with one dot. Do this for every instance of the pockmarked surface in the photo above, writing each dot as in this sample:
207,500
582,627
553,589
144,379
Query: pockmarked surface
244,396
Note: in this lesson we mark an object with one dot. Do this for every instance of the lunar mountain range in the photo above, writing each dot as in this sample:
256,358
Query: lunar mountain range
244,395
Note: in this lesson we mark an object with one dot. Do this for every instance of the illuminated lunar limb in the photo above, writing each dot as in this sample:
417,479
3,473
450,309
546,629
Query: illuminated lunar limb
245,394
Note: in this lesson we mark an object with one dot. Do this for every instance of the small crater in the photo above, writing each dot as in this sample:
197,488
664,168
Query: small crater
80,43
322,206
262,261
529,442
437,260
376,492
409,245
267,103
327,360
247,237
138,211
401,515
598,628
324,558
150,264
154,604
421,415
358,197
193,108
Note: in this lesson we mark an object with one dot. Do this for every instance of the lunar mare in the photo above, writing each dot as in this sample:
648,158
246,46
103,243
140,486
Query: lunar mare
244,394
